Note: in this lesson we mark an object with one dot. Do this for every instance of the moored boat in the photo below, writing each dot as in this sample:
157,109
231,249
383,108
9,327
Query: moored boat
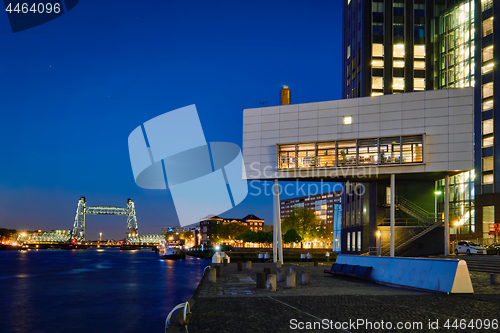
168,251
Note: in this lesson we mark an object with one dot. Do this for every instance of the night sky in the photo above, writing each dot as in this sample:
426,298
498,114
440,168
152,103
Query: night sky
73,89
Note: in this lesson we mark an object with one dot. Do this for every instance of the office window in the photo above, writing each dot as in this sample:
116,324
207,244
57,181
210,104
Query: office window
347,120
377,83
287,156
359,241
353,244
488,53
378,28
487,27
390,150
378,50
418,51
378,63
419,10
326,154
399,51
348,241
412,149
486,4
488,219
377,93
488,126
377,7
399,63
306,155
488,90
348,51
419,64
347,152
418,84
488,179
367,151
419,30
398,83
488,163
487,104
399,9
399,29
487,142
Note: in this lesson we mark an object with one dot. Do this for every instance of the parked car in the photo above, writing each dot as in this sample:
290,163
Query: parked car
493,249
469,247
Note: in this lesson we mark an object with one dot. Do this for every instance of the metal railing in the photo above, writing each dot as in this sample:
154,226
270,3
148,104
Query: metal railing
184,305
415,210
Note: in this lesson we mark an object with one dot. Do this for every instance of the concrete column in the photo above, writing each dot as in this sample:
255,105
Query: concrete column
446,215
275,221
393,191
278,219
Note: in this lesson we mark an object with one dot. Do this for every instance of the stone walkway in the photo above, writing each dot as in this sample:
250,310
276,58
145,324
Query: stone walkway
235,304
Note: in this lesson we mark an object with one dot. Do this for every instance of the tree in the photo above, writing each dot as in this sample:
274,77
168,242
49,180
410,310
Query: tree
220,231
305,222
291,236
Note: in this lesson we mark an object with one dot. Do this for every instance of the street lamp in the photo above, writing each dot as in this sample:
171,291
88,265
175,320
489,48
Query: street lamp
100,236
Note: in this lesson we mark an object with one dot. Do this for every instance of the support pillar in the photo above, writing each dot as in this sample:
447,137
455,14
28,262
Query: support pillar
275,220
446,215
278,222
393,191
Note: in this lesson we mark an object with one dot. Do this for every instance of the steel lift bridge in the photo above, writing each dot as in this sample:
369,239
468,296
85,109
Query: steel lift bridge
132,230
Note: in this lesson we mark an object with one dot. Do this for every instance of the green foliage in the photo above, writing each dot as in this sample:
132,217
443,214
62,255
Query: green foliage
220,231
260,236
305,222
292,236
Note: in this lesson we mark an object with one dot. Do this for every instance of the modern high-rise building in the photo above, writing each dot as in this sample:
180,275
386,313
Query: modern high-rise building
398,46
326,207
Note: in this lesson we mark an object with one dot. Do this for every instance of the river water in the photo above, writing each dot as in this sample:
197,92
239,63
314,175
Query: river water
92,290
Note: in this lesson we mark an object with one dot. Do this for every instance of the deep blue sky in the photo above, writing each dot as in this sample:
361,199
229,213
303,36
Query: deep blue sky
74,88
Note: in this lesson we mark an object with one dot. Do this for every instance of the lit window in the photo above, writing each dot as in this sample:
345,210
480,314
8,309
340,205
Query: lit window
399,51
486,4
418,84
399,64
376,93
488,26
488,104
488,90
488,126
347,120
419,64
487,68
419,51
488,53
348,51
488,163
398,83
378,50
488,179
378,63
487,142
377,83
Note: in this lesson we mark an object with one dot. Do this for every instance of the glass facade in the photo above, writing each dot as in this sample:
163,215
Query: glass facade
462,212
345,153
456,47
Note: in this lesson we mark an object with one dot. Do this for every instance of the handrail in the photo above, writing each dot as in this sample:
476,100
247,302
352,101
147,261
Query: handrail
205,269
415,209
187,310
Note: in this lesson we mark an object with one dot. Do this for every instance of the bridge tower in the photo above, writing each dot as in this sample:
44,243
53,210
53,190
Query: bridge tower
79,225
132,230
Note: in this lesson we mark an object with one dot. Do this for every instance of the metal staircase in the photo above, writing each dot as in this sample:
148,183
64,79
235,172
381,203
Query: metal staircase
426,222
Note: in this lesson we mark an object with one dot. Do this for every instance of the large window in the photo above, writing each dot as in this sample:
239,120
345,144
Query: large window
378,50
487,27
377,83
487,60
488,126
345,153
487,141
488,90
488,163
486,4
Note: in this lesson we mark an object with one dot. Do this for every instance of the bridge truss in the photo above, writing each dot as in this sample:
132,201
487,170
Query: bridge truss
78,232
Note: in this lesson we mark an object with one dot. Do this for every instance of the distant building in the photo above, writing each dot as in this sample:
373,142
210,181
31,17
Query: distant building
327,208
164,230
252,221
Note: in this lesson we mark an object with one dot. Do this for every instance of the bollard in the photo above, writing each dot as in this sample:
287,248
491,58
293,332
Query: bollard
495,278
240,266
261,257
315,263
267,270
212,275
271,282
225,261
302,257
291,269
218,268
281,275
308,257
327,255
249,264
290,280
306,277
266,257
261,280
278,264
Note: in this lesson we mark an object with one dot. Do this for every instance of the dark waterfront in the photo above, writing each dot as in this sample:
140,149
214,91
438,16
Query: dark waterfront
92,290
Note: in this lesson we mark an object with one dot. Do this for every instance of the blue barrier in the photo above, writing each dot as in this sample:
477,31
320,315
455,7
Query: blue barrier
442,275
